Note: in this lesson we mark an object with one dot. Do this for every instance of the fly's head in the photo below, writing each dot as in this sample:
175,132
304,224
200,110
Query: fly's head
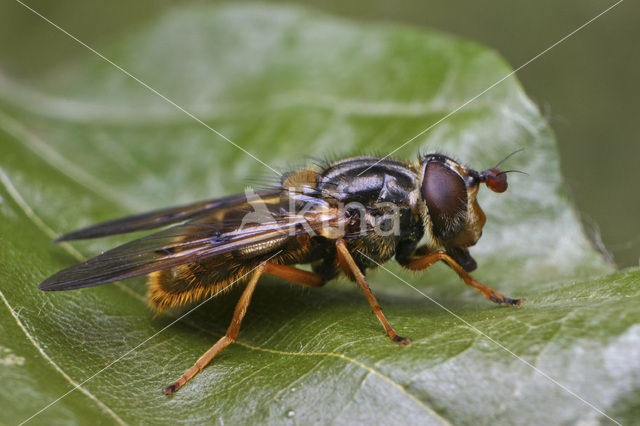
453,218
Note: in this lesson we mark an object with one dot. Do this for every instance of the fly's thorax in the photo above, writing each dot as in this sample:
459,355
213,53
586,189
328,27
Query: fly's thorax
369,180
369,192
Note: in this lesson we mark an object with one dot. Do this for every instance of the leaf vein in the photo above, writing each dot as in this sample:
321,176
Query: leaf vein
68,378
61,164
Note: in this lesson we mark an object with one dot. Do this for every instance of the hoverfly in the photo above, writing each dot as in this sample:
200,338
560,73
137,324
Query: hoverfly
343,217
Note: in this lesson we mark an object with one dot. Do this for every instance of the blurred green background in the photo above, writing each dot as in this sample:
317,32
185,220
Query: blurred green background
587,87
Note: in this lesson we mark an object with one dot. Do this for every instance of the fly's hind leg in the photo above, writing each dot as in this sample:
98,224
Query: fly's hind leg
349,264
420,263
290,273
227,339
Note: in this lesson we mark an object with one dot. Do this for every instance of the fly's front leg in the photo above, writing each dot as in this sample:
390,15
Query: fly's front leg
346,261
420,263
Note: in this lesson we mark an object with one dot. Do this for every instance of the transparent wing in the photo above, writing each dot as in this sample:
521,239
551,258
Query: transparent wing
198,239
159,218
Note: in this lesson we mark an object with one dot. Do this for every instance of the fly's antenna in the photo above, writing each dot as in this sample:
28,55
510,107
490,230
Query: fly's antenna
512,171
507,157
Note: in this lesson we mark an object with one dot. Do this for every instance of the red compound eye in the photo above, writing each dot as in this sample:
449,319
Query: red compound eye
495,179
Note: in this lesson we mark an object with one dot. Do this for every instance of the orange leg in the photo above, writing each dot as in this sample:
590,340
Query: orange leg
346,260
293,274
287,272
227,339
428,260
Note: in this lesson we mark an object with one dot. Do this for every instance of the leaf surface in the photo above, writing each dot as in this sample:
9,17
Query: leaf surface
86,143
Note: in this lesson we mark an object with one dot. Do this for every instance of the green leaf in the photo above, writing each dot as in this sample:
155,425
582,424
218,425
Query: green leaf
86,143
